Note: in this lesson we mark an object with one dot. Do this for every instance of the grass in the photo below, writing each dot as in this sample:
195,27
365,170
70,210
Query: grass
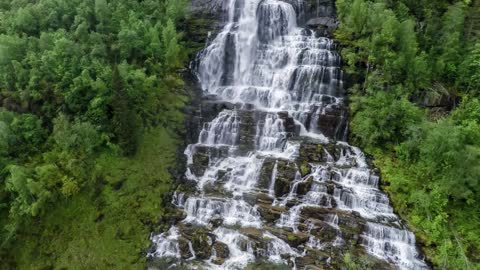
108,225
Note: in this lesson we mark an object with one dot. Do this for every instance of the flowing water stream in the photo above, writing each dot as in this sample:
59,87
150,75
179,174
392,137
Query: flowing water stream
274,180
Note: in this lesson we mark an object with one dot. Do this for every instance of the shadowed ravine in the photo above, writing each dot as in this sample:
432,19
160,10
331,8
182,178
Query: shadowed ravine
274,181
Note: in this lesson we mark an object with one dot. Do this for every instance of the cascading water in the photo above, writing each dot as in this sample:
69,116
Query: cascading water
272,182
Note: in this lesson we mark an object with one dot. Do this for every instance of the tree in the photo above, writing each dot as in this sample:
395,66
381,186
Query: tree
469,79
124,120
172,57
5,139
102,14
30,196
384,119
81,139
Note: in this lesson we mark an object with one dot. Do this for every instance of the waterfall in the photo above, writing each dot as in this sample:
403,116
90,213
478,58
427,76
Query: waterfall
273,180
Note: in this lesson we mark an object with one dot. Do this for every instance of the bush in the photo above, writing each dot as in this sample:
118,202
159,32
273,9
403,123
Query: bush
383,119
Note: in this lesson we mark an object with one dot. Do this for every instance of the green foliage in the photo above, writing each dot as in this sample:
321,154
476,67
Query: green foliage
352,262
30,195
111,219
79,79
470,71
405,55
380,47
450,49
171,46
79,138
124,118
383,119
23,135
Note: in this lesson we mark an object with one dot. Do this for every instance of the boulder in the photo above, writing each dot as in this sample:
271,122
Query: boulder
318,8
310,152
221,252
248,124
332,122
185,252
269,212
323,25
286,173
305,186
201,159
202,245
266,173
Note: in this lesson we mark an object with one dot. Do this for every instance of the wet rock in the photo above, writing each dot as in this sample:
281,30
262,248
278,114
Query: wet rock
323,25
266,173
263,264
185,252
330,188
201,243
289,124
215,189
332,122
253,233
286,173
293,239
318,213
202,156
325,233
211,107
201,160
229,59
220,175
221,250
247,128
304,187
314,260
311,152
254,198
178,215
218,261
304,168
207,16
319,8
336,150
216,222
250,198
269,212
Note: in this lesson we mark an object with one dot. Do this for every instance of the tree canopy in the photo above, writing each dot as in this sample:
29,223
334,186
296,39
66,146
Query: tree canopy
414,105
79,78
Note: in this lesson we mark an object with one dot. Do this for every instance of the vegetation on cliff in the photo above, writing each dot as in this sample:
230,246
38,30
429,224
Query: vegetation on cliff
415,69
90,101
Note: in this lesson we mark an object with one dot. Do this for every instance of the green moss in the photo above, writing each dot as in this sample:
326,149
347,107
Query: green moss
107,226
266,265
304,168
291,237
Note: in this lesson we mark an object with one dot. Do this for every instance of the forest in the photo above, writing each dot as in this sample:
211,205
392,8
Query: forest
90,109
414,69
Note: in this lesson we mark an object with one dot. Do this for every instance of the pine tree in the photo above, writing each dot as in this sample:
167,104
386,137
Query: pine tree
124,117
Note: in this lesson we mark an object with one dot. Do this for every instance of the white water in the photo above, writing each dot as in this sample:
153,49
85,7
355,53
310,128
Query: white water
285,79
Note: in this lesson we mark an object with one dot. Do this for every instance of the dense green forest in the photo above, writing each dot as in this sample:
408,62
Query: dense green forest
90,102
414,67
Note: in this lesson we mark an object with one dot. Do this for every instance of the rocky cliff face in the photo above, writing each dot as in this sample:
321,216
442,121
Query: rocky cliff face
268,179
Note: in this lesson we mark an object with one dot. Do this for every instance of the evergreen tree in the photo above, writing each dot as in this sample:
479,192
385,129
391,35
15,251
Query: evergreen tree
124,117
